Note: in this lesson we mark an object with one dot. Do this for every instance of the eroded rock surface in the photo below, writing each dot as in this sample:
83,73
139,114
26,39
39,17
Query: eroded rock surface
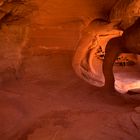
87,63
14,34
126,12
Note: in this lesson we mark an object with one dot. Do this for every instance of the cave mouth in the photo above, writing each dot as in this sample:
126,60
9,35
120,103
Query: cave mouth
126,70
127,76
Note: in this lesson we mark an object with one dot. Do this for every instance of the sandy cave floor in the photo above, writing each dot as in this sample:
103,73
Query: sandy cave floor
52,103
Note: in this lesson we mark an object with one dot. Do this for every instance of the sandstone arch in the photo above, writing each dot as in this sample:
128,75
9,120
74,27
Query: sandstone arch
85,54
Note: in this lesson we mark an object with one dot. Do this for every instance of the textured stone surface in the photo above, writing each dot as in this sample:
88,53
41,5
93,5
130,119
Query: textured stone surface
14,32
88,65
126,12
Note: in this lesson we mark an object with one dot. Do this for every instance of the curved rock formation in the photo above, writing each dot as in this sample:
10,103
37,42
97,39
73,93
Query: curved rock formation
85,61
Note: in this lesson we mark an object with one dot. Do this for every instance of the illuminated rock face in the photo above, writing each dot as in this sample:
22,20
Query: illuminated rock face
89,67
85,62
